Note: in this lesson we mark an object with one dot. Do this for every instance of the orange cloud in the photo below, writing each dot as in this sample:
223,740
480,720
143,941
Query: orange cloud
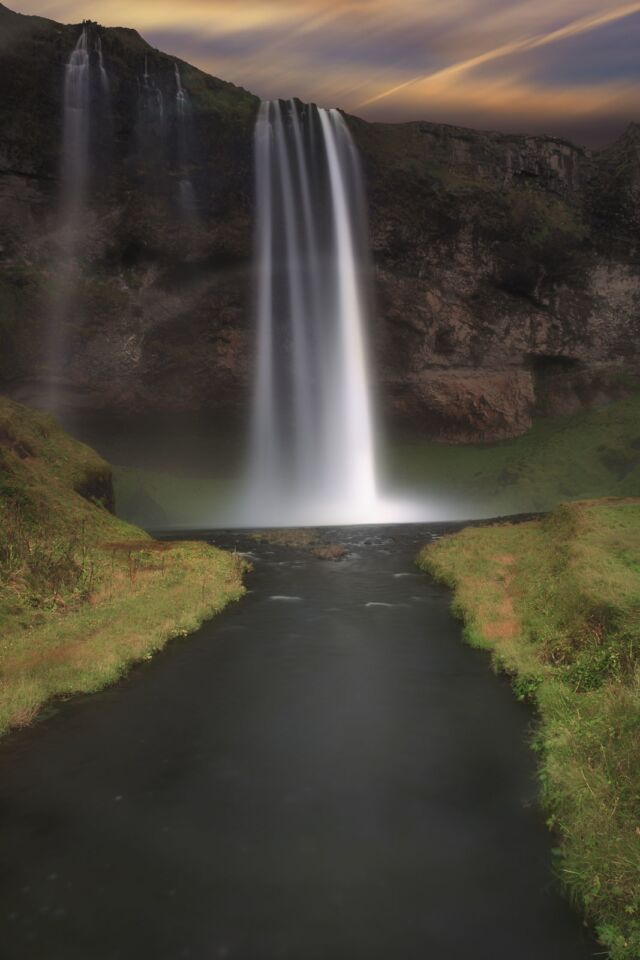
572,29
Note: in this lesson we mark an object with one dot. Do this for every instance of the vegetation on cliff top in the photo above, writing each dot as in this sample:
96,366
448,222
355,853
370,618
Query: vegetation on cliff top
557,602
82,593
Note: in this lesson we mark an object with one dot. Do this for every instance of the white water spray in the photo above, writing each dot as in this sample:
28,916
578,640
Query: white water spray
312,452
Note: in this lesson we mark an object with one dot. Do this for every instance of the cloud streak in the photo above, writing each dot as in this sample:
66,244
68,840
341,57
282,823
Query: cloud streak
581,25
508,64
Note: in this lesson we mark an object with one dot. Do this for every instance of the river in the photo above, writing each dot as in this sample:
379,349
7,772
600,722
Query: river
323,772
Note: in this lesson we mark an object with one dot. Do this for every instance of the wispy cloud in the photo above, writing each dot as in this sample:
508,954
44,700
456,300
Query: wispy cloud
502,63
571,29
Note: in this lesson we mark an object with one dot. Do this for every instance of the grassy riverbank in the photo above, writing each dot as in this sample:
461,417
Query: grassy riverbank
82,593
557,602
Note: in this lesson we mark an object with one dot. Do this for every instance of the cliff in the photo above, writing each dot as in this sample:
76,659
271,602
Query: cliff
507,268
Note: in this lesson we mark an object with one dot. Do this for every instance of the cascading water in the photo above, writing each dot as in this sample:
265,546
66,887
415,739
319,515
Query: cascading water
75,137
312,456
80,96
186,198
74,177
181,97
86,101
152,98
104,79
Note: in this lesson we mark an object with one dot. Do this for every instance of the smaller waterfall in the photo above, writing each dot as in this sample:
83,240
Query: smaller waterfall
186,193
181,97
104,79
75,137
80,95
152,98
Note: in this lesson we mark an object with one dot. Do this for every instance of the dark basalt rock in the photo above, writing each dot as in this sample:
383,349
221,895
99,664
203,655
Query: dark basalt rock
507,268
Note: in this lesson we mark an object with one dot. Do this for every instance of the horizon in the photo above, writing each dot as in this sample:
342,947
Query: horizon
519,70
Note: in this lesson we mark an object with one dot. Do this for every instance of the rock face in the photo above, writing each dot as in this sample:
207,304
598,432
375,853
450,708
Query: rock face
507,269
159,317
508,274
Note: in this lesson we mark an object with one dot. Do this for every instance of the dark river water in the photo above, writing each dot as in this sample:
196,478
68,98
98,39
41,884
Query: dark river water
323,772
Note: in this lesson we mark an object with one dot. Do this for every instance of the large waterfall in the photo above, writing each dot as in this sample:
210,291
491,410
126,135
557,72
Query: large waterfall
312,447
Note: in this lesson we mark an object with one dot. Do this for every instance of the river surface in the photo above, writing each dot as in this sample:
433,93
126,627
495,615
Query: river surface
323,772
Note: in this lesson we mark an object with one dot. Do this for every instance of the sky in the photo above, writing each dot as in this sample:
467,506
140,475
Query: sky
569,68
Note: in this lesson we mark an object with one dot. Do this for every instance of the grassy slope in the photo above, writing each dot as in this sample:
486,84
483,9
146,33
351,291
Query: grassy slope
82,593
594,453
160,499
557,601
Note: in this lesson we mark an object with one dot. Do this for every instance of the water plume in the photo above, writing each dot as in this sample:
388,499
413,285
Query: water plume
312,450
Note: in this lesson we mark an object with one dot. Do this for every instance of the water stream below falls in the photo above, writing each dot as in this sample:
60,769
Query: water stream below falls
322,772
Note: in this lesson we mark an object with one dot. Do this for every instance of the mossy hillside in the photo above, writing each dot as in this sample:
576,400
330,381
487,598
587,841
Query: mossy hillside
159,499
594,453
82,593
557,602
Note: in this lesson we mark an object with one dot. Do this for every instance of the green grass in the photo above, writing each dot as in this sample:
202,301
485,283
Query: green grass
595,453
557,602
158,499
84,594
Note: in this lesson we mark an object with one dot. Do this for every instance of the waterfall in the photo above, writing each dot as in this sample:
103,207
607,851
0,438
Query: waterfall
186,194
75,136
312,441
104,79
74,176
152,98
181,97
80,95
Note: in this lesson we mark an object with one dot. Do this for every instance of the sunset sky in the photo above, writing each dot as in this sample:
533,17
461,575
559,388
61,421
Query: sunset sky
565,67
